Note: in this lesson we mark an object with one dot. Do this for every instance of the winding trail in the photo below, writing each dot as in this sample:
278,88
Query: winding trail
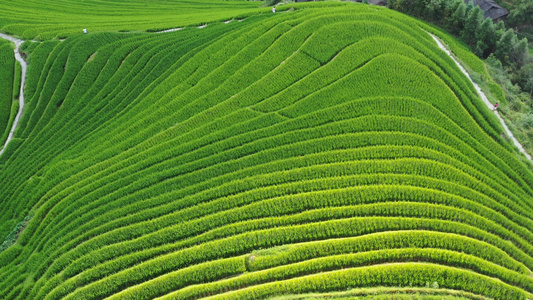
201,26
169,30
484,98
23,65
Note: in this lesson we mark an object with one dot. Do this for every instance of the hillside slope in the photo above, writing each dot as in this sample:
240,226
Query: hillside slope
313,150
7,71
35,19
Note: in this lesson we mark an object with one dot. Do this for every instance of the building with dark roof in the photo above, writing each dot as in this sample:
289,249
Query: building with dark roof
491,9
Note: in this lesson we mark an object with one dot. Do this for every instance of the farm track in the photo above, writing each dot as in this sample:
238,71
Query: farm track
24,66
483,97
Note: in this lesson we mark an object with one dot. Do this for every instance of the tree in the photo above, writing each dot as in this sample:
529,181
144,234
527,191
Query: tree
500,26
457,19
411,7
417,8
480,48
526,76
396,5
504,46
472,24
519,53
494,62
449,8
435,10
499,30
522,13
469,7
486,35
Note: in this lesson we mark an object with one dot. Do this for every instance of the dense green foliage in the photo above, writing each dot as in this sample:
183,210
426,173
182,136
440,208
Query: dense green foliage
321,149
521,14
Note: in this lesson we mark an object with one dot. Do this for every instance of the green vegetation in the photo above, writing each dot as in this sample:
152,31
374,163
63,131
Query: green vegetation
509,61
521,14
383,293
395,296
7,71
467,22
41,20
12,237
323,149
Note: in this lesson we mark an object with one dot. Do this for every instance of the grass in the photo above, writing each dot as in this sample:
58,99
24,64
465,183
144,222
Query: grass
7,71
328,148
35,20
383,293
513,106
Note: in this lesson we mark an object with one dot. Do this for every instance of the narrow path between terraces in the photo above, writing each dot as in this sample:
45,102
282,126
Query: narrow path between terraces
485,99
23,65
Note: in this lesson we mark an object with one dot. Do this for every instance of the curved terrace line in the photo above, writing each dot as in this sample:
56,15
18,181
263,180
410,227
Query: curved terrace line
209,240
23,65
258,231
483,97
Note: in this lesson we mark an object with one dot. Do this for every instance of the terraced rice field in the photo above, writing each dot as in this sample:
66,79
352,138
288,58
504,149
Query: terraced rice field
36,19
328,148
7,72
